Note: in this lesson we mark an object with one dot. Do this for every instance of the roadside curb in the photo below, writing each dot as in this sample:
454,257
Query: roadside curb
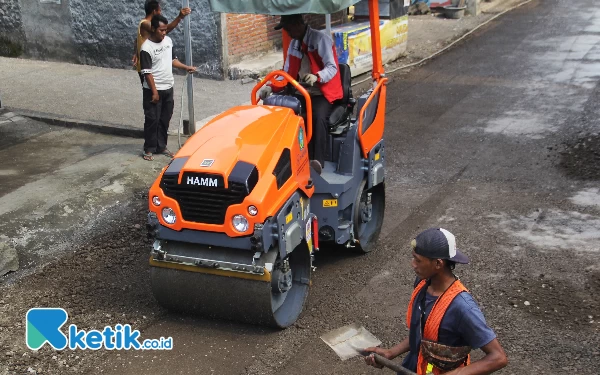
92,126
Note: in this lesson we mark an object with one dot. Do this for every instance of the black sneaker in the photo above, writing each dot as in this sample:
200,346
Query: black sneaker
316,166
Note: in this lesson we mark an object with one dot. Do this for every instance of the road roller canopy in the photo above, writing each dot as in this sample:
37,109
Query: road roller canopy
280,7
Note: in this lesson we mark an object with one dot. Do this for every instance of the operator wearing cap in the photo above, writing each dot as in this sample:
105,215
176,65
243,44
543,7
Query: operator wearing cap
444,320
312,57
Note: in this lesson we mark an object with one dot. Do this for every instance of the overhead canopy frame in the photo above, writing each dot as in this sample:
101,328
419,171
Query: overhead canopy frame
280,7
287,7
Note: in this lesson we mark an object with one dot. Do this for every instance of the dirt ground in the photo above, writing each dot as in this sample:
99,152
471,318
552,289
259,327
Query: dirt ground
580,158
102,283
506,158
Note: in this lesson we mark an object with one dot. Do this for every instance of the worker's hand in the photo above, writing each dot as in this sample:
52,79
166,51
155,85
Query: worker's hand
155,97
191,69
370,359
134,60
310,79
264,92
184,12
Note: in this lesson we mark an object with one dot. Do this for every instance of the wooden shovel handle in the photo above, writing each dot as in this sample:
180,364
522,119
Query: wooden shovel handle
392,365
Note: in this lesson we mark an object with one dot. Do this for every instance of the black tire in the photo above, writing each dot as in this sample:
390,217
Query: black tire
367,233
233,298
290,310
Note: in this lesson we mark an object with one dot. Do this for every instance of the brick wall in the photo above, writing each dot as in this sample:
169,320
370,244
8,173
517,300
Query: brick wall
317,21
251,35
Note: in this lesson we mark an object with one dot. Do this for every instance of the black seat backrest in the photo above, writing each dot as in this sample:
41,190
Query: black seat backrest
284,101
346,77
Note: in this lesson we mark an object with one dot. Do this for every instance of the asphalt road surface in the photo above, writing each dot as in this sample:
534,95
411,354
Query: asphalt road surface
496,140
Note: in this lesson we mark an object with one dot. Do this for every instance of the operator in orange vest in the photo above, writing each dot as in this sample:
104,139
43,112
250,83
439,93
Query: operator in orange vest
444,320
312,58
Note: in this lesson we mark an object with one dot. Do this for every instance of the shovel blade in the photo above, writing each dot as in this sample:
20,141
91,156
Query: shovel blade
348,341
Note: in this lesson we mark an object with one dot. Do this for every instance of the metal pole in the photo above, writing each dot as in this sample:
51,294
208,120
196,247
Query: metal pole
188,61
328,24
375,39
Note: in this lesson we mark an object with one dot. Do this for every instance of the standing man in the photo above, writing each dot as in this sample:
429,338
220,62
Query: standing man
152,8
312,57
444,320
157,62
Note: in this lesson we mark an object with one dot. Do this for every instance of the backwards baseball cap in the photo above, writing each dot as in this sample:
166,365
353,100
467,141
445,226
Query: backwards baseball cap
288,19
438,243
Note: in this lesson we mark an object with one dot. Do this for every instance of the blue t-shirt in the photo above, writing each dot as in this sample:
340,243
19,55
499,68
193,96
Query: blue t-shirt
462,325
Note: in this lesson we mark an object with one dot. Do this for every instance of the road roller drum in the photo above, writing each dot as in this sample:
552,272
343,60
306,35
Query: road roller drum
269,293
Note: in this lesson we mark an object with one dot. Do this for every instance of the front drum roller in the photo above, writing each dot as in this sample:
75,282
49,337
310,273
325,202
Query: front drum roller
273,299
369,210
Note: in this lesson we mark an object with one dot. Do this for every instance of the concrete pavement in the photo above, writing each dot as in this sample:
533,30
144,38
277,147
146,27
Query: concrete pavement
100,96
59,185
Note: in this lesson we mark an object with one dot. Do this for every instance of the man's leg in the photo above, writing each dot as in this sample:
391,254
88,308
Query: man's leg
150,122
321,109
168,103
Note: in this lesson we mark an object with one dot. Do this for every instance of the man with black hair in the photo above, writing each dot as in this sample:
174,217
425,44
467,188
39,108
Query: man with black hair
152,8
444,320
157,62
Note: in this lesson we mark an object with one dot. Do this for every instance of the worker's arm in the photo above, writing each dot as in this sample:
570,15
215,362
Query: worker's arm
179,65
182,13
291,51
286,67
494,360
475,332
330,69
390,353
134,59
146,64
150,80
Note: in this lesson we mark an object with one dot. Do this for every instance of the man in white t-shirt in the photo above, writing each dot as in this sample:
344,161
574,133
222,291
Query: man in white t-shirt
157,62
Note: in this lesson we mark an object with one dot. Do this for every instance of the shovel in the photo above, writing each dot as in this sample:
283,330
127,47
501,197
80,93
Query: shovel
350,341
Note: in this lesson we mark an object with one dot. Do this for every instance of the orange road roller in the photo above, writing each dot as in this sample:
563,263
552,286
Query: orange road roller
239,213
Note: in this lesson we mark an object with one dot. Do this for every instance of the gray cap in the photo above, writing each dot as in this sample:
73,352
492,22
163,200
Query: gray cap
438,243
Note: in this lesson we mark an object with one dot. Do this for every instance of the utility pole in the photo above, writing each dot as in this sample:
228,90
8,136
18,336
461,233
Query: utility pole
187,30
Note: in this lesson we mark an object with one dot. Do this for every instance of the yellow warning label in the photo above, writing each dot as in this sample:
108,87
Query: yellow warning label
330,203
289,217
377,156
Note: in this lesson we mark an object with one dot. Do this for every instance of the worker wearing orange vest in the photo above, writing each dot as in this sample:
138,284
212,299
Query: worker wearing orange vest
444,320
312,58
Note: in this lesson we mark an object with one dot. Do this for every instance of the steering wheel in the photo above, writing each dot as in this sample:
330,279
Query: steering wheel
280,79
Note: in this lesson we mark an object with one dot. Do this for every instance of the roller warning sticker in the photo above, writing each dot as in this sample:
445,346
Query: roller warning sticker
330,203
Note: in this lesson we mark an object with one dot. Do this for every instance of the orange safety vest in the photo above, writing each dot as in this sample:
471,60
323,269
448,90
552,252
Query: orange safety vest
432,325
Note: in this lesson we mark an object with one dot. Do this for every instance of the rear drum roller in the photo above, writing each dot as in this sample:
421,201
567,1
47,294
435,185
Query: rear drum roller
369,210
237,296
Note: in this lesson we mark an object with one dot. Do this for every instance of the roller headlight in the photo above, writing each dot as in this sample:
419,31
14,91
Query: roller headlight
240,223
253,211
169,215
156,201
